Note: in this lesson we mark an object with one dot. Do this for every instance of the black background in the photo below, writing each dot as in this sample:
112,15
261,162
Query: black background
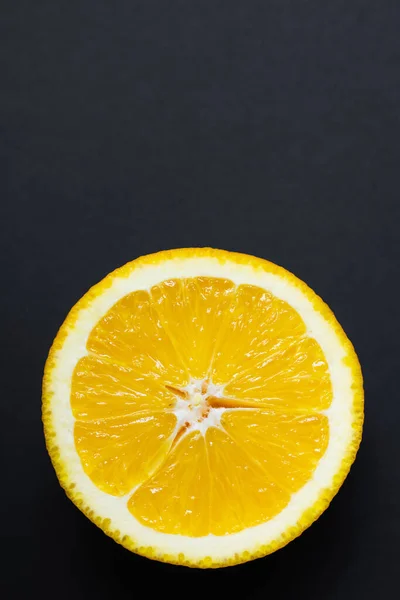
265,126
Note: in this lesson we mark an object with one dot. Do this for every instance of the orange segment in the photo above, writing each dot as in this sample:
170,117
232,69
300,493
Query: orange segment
177,498
264,354
131,333
119,453
200,489
192,312
295,376
101,389
288,446
234,470
255,326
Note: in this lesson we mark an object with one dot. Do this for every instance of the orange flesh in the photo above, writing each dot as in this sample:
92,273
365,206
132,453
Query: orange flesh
271,436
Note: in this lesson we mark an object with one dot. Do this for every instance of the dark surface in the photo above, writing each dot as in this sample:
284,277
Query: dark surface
267,127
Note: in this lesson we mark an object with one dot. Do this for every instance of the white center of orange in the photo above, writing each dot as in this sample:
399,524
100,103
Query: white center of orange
194,406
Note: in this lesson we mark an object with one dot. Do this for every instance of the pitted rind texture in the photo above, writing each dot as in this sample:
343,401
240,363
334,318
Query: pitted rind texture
325,495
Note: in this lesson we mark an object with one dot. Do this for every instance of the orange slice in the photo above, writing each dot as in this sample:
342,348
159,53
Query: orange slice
202,407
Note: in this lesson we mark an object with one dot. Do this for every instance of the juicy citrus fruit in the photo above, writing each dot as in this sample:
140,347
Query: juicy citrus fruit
202,407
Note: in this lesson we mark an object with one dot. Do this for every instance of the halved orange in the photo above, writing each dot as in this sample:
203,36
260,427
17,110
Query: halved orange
202,407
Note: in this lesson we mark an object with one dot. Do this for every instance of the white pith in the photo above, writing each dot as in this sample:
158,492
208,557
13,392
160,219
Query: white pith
115,509
190,412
